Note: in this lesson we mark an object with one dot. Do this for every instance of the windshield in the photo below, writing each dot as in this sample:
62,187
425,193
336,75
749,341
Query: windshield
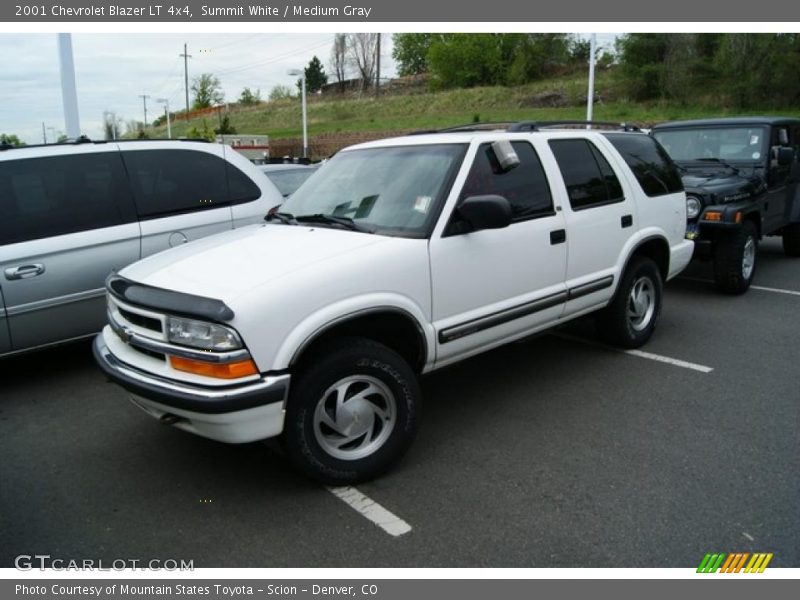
391,190
287,181
723,143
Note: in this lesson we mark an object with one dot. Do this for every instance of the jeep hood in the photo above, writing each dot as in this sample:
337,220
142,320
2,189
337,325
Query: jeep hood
230,264
718,183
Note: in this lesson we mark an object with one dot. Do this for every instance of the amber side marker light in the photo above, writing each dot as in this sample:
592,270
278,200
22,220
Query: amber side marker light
738,218
233,370
712,216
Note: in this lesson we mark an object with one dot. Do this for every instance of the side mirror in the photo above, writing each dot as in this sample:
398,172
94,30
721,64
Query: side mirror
485,212
785,156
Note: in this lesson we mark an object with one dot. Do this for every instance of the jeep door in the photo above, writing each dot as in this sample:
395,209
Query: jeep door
66,221
601,218
779,182
493,285
181,194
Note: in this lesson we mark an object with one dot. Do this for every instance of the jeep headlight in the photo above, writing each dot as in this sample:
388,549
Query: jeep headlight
202,335
693,207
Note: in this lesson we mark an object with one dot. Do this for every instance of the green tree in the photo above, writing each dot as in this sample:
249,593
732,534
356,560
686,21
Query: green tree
411,52
249,98
280,92
11,139
203,133
207,91
465,60
315,76
225,127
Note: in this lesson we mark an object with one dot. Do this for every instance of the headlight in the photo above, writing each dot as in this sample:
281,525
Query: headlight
693,206
199,334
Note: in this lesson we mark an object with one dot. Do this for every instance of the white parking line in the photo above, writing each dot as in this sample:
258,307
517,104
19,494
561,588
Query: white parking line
676,362
752,287
776,290
386,520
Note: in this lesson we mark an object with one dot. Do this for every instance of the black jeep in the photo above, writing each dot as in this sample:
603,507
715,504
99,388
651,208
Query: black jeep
741,178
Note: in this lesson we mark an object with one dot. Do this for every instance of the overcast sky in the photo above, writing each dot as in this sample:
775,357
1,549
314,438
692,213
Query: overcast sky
112,70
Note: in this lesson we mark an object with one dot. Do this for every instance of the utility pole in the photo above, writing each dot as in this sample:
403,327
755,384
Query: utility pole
378,69
144,98
186,56
44,134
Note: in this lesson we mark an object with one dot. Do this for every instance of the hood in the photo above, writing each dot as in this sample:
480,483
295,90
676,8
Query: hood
230,264
720,183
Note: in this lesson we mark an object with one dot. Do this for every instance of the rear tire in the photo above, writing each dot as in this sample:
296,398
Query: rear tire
352,413
631,317
735,259
791,239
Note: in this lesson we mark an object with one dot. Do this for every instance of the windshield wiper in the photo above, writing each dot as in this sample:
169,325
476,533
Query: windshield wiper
285,218
719,161
343,221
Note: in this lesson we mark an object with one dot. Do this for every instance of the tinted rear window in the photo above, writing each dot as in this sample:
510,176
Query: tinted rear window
45,197
168,182
651,165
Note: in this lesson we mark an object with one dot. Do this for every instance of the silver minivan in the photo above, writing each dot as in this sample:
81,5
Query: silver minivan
70,214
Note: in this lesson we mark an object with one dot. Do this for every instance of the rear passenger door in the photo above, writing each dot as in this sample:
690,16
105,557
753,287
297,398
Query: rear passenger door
66,221
181,194
601,218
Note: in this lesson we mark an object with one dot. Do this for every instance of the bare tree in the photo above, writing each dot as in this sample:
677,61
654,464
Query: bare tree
362,48
339,59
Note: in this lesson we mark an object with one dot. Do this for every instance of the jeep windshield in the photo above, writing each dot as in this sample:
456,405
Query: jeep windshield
714,144
391,190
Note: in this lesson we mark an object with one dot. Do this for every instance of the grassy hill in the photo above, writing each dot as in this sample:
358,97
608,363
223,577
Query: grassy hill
563,98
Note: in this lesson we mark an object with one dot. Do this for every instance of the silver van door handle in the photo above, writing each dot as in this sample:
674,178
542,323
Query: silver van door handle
25,271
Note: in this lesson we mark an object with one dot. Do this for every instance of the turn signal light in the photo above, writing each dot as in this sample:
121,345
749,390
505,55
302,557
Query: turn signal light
232,370
712,215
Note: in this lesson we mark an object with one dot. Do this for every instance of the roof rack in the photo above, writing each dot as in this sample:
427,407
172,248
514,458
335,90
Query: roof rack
86,140
538,125
532,126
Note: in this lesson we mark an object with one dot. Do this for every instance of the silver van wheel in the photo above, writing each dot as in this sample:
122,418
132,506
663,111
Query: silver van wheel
354,417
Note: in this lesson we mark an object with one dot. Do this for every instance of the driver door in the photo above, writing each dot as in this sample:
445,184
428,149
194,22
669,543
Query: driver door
494,285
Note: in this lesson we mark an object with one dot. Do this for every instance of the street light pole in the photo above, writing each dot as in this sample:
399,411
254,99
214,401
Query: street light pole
302,74
590,95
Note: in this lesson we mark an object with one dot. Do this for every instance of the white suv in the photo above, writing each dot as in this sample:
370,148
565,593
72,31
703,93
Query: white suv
399,257
72,213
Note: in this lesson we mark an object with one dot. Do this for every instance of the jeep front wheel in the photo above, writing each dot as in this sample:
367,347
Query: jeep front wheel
735,259
791,239
630,319
352,413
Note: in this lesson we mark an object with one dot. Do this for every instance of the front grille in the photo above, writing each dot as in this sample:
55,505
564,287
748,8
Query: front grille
141,320
150,353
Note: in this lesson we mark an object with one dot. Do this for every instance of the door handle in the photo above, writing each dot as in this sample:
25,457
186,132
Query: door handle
627,220
25,271
559,236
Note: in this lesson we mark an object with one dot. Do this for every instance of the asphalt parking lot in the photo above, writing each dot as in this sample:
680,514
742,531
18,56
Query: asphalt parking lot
552,452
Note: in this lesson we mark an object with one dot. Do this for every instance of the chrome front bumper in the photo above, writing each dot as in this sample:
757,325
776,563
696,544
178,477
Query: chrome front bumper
236,414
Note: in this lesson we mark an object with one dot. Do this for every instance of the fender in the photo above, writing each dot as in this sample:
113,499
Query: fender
316,324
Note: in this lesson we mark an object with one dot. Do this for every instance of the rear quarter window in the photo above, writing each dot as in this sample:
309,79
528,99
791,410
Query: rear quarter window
651,165
167,182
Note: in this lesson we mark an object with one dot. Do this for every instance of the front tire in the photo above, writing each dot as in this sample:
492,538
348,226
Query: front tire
735,259
791,239
353,412
631,317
